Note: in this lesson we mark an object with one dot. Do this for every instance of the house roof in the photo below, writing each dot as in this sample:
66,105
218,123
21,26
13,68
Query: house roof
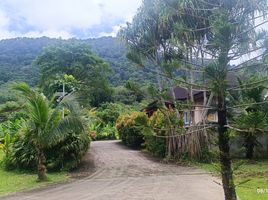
181,94
184,94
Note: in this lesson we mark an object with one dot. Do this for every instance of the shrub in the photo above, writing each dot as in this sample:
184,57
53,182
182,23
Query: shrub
131,128
161,121
64,155
156,145
108,132
109,112
103,119
22,154
69,153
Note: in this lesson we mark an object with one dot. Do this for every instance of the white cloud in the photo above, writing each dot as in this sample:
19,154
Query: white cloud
48,33
61,18
113,33
4,20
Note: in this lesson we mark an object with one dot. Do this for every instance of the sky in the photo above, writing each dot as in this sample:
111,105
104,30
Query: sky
64,18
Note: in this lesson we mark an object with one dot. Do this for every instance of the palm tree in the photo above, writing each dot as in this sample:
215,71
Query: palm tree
252,121
251,125
45,125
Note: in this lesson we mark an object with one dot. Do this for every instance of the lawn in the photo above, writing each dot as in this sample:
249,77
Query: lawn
15,181
251,178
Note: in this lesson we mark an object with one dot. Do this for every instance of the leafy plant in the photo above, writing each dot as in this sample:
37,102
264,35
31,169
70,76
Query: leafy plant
156,145
251,125
109,112
108,132
131,128
45,126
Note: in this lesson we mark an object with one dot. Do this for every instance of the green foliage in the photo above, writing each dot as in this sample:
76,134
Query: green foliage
109,112
22,154
249,176
16,56
123,95
44,131
17,181
113,51
77,59
103,119
251,125
135,88
69,153
156,145
64,155
252,121
7,96
108,132
131,128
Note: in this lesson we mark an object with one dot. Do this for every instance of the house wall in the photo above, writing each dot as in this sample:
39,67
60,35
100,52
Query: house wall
213,117
198,112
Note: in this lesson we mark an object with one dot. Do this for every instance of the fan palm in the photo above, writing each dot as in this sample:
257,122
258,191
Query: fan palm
45,125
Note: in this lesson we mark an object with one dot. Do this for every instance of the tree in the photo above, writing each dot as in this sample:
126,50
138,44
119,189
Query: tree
251,125
136,89
76,58
221,31
45,125
252,120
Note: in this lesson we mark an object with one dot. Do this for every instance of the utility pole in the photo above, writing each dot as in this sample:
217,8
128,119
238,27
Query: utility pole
63,94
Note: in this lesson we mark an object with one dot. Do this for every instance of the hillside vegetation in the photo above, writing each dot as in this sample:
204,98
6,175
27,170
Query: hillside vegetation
17,55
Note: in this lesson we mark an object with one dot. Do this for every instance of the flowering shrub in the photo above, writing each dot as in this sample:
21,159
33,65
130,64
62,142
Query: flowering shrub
131,128
156,145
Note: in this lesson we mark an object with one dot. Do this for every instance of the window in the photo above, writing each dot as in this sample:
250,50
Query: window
188,118
212,117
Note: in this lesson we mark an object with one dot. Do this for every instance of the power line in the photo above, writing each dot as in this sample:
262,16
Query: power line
249,104
175,136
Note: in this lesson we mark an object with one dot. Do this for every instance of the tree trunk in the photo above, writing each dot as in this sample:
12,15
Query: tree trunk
250,144
41,167
225,160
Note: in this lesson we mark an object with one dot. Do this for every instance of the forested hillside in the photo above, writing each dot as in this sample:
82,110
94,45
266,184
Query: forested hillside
16,56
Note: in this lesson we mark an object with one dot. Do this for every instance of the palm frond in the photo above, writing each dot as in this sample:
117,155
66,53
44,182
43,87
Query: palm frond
69,124
24,88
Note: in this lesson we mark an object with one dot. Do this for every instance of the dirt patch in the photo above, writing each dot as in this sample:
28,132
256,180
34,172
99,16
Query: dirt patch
86,168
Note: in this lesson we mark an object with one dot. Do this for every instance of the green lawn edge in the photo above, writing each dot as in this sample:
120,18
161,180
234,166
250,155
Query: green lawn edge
18,181
251,177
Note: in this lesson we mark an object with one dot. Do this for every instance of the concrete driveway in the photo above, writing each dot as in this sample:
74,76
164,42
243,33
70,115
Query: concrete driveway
124,174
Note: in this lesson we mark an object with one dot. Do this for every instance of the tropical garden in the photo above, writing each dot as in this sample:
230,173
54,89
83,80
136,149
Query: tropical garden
76,95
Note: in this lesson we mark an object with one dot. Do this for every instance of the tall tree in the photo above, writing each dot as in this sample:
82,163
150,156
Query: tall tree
76,58
222,31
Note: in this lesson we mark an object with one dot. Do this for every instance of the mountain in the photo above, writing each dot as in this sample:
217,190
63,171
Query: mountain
16,56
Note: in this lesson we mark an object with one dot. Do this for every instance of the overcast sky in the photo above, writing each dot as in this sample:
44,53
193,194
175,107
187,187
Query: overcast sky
64,18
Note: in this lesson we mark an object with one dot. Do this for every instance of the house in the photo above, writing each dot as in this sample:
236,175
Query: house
183,95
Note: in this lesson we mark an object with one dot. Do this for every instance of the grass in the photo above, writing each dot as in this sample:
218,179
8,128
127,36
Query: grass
249,177
16,181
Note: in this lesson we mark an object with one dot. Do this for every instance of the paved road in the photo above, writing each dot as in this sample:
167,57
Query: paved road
123,174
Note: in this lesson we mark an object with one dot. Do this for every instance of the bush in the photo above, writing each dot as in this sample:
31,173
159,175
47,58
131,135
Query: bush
159,124
131,128
108,132
69,153
156,145
65,155
109,112
103,119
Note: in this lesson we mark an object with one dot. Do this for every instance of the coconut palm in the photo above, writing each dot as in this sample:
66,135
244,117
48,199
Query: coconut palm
45,125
